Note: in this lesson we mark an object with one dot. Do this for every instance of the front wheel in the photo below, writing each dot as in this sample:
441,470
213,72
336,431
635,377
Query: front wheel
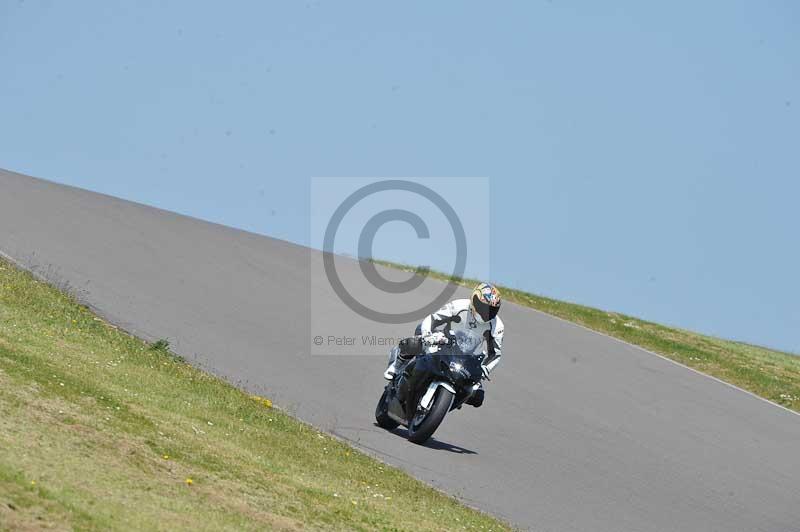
424,424
381,412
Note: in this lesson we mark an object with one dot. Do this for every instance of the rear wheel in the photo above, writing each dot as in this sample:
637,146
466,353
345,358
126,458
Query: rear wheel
381,412
424,424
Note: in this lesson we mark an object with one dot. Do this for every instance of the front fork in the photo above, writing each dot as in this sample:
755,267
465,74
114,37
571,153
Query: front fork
427,398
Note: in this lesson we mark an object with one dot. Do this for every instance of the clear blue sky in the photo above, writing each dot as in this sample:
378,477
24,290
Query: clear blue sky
643,158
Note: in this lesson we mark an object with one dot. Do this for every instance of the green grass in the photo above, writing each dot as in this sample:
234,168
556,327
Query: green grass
101,431
768,373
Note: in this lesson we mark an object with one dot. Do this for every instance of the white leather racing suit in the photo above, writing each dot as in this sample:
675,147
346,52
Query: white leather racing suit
456,315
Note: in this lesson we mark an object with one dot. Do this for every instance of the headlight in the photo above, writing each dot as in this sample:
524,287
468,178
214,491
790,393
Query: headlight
455,367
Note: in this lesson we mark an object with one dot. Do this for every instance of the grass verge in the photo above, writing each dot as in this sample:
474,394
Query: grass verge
101,431
768,373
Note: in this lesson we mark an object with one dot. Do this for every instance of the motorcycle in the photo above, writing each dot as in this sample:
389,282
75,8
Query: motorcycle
439,380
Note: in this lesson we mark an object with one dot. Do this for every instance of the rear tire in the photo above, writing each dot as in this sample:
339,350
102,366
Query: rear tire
419,433
381,415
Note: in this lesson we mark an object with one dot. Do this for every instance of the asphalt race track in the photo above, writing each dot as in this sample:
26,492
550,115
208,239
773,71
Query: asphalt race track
579,431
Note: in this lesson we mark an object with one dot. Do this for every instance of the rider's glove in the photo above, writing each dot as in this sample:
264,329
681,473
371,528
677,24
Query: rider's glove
436,338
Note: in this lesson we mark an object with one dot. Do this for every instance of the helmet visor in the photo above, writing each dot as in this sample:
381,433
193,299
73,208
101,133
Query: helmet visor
484,310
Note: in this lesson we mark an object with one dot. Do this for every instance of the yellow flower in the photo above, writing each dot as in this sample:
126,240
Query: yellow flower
166,457
263,400
189,482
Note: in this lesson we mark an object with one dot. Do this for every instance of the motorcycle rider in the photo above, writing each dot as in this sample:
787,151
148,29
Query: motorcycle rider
477,314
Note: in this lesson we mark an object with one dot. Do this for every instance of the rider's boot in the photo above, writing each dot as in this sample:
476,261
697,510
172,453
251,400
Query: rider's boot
476,399
391,371
406,349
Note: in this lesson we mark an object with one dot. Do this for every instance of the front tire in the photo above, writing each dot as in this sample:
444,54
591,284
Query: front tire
381,415
419,430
